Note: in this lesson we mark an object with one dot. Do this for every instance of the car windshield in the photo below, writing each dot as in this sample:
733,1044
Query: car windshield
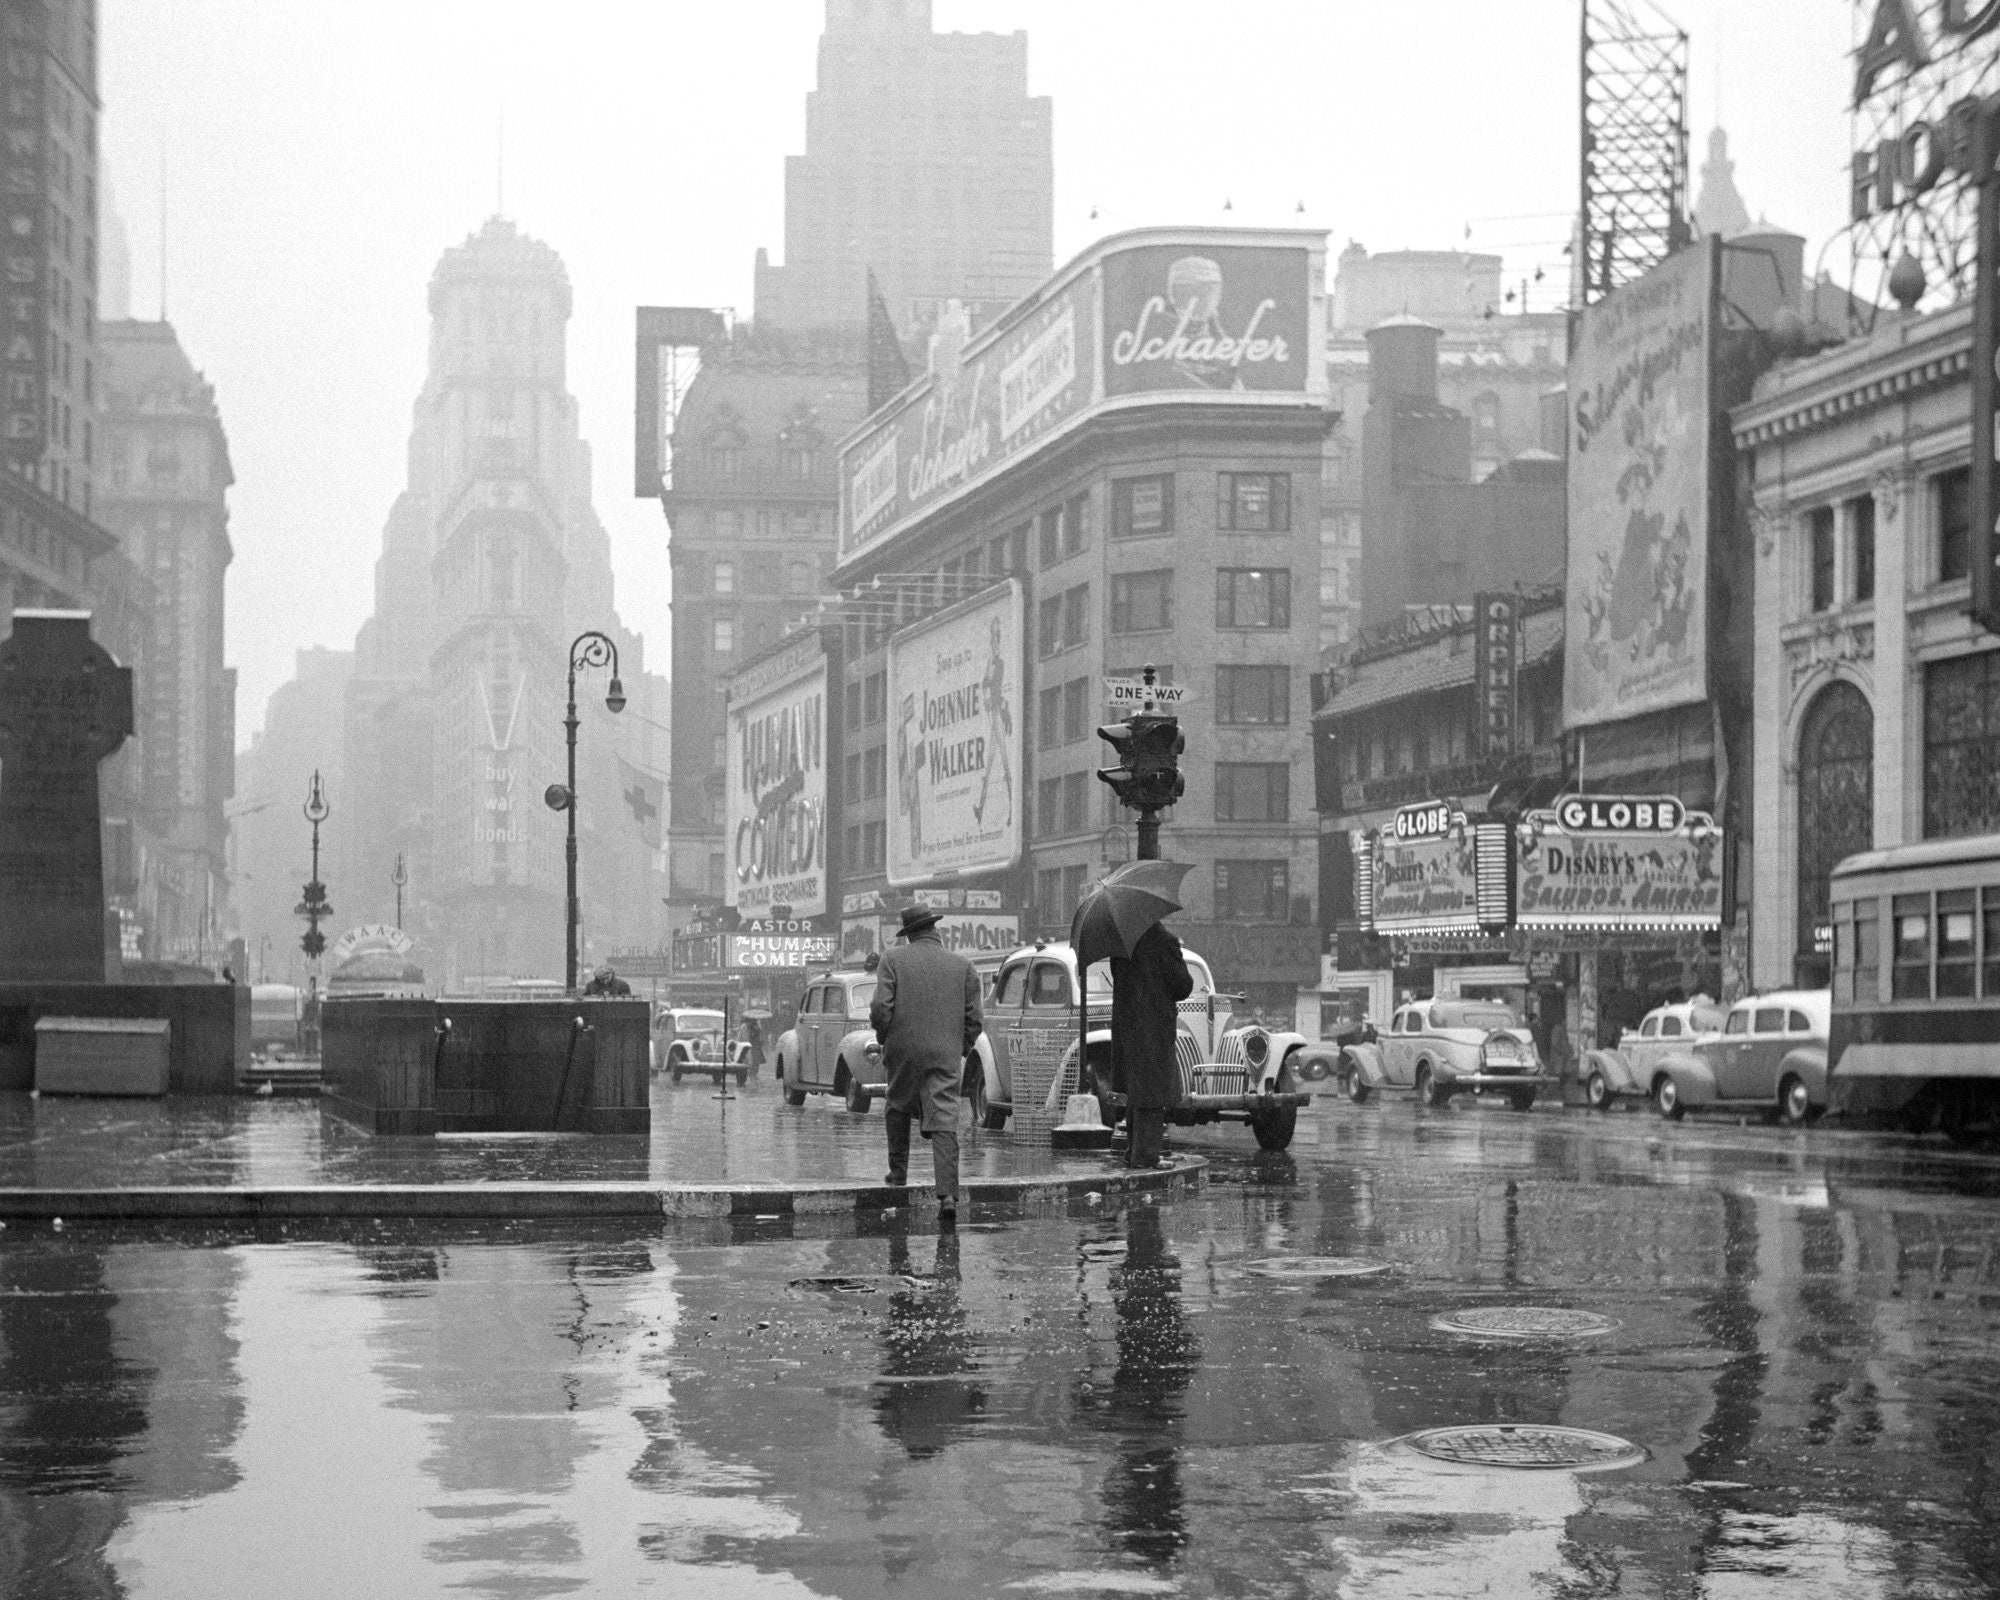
858,999
697,1021
1471,1014
1098,979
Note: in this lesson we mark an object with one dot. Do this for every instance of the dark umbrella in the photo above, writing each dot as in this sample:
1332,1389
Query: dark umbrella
1110,919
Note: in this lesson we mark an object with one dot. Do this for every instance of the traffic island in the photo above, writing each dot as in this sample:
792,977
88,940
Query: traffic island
1181,1173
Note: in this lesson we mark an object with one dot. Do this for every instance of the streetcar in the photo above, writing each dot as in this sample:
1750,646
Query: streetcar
1916,985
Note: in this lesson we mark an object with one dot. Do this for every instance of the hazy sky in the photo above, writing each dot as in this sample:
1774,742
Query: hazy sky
317,159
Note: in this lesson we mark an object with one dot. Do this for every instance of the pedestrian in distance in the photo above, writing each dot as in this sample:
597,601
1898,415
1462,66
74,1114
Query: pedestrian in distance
926,1014
605,984
1146,989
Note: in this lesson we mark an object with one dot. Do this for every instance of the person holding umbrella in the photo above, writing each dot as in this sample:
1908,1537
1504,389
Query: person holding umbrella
927,1014
1120,919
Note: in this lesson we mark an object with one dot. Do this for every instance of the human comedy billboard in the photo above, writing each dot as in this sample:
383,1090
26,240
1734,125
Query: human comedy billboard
955,712
1636,618
774,784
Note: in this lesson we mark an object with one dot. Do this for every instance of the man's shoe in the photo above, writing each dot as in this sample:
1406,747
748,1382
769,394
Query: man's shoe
895,1180
948,1210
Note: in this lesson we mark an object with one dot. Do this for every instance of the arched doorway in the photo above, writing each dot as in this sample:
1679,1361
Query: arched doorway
1836,809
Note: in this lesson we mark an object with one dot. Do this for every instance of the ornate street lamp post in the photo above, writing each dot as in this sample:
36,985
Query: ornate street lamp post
587,649
314,907
399,875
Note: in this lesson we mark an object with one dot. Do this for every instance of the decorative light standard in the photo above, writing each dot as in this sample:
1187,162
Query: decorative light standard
314,907
399,875
587,649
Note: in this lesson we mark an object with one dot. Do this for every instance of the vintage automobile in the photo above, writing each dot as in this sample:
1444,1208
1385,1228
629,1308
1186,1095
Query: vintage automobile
1442,1048
1240,1072
831,1049
1663,1031
689,1039
1770,1056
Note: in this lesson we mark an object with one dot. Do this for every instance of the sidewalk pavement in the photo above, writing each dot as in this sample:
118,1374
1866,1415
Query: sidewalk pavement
707,1155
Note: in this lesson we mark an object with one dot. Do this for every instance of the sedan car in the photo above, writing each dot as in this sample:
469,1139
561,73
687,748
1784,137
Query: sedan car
832,1049
1663,1031
1442,1048
689,1039
1769,1056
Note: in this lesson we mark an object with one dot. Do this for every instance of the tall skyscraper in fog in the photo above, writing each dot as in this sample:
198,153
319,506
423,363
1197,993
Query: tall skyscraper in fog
927,161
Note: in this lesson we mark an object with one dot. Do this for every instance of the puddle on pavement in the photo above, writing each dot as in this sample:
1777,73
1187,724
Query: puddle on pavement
1111,1401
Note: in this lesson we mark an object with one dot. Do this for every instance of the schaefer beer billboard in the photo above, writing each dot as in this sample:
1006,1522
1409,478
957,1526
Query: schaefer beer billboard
1636,623
1205,313
775,784
955,719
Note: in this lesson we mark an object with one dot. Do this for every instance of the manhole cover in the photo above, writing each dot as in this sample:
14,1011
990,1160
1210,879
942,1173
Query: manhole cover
1316,1267
1501,1445
1524,1322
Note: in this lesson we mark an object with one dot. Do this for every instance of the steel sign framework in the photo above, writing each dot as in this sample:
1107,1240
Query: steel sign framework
1634,144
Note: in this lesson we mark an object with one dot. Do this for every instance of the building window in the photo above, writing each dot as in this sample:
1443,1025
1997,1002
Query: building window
1063,620
727,459
1820,545
1836,815
1057,890
1253,696
1075,801
1962,745
1953,491
1048,805
725,577
1252,891
1076,709
798,577
1142,506
1064,530
852,702
801,463
1253,502
1862,515
1142,602
722,634
1049,719
1253,597
1253,791
876,699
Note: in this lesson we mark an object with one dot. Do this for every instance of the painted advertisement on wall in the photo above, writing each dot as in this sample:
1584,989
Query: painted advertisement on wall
972,934
774,785
955,719
977,411
1594,862
1639,382
1230,317
1424,872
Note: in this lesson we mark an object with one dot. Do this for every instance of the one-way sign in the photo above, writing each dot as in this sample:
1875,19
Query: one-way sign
1136,692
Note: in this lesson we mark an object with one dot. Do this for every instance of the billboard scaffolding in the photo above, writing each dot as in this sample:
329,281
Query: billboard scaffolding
1634,144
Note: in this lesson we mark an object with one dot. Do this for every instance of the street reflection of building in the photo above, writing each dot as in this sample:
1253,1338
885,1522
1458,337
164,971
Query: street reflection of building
1878,696
163,476
492,561
1123,470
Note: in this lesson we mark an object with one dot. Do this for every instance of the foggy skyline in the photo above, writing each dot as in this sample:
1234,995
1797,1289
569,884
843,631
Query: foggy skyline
315,165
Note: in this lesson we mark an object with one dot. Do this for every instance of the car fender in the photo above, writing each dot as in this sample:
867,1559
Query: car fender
1692,1075
1365,1060
1616,1071
989,1069
1286,1046
854,1045
1809,1062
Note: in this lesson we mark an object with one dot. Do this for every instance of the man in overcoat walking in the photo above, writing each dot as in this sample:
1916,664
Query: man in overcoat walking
927,1015
1146,988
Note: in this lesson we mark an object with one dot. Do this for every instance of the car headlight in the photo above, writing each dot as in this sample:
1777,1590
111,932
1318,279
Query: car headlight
873,1051
1256,1047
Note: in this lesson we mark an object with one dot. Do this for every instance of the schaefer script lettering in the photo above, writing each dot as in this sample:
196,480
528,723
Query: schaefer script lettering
1151,340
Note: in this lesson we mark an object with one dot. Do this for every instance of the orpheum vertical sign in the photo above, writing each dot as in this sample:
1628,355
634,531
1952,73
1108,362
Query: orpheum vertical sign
1985,531
24,211
1496,663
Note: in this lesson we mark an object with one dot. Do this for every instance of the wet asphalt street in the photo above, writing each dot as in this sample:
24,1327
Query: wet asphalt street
1797,1330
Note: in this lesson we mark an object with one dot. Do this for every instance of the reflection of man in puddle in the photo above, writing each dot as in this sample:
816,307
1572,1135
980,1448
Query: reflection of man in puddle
999,724
926,1345
1144,1501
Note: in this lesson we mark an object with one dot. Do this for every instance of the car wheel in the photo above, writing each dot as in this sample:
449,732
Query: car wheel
1795,1107
794,1097
1427,1089
742,1077
1521,1099
1357,1088
856,1094
1274,1128
674,1071
1667,1100
1313,1068
1597,1092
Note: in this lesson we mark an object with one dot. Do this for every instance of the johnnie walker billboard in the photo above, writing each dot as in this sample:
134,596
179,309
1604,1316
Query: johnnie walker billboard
1205,313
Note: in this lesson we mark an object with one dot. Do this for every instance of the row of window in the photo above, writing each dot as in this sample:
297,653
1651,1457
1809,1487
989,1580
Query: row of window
1245,502
867,702
761,575
1245,697
1840,542
1246,598
730,460
1942,945
1245,891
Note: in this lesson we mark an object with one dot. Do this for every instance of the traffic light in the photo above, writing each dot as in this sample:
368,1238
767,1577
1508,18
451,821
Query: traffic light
315,908
313,942
1149,746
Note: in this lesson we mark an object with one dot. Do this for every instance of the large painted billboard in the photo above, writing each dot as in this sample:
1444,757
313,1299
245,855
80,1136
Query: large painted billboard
1599,869
774,785
1639,390
1425,873
1216,317
955,717
1195,312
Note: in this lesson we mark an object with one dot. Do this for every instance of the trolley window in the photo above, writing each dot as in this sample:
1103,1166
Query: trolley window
1857,951
1913,947
1956,950
1990,906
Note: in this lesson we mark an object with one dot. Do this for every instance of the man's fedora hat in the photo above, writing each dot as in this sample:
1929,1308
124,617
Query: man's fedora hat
918,918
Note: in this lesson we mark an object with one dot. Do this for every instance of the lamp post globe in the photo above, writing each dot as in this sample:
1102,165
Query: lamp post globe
588,649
